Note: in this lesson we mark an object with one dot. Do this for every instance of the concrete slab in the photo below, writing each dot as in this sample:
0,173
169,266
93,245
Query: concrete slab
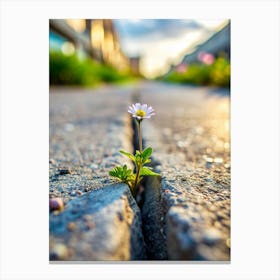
190,139
102,225
100,219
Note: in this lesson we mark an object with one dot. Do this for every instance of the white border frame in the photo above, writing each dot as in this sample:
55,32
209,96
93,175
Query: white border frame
255,138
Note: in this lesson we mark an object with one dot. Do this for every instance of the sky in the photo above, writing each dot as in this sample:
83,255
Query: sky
162,42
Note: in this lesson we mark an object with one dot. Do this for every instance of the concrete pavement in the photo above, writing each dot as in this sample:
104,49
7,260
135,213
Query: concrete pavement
184,216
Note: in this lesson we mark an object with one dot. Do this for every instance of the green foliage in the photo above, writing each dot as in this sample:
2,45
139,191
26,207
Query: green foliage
216,74
146,154
129,155
146,171
70,70
139,159
123,173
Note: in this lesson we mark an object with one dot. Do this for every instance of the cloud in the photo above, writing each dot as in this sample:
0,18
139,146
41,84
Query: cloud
144,37
155,28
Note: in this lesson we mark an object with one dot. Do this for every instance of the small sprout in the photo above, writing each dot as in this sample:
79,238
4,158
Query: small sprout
139,112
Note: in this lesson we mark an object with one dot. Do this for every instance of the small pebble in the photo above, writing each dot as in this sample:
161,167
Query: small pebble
227,165
56,203
52,161
71,226
87,218
209,159
93,166
79,192
73,193
64,171
217,224
211,236
218,160
59,252
90,225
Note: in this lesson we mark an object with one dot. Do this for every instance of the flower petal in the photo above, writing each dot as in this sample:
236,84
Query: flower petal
150,110
144,107
137,106
131,110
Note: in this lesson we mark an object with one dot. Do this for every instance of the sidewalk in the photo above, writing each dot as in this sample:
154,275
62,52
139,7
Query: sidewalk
186,216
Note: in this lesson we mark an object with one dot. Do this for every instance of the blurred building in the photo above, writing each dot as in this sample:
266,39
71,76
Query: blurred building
96,38
217,45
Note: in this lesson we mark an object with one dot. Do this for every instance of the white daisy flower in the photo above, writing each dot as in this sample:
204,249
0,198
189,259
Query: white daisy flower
141,111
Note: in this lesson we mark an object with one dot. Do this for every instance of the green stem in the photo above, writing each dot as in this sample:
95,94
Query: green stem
139,135
137,178
138,167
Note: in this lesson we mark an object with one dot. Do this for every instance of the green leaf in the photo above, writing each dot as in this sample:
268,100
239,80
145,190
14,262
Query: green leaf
146,161
138,154
122,173
114,172
138,158
124,168
147,153
129,155
131,178
145,171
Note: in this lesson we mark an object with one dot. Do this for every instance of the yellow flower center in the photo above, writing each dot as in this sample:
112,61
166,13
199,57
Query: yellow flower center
140,113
